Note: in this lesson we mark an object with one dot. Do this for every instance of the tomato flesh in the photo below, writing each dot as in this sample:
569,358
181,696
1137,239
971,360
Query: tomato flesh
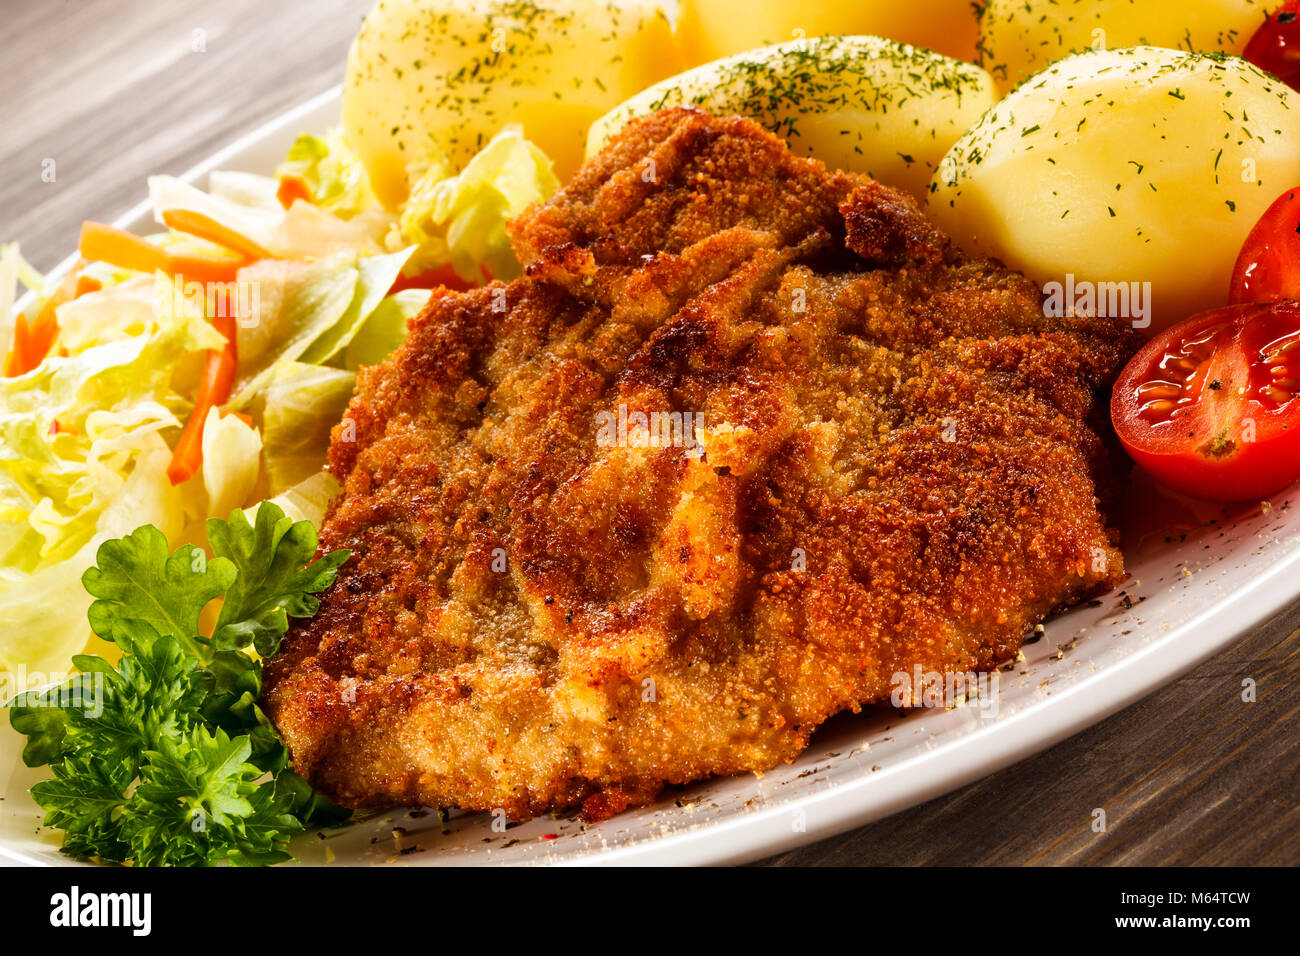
1268,266
1211,406
1275,46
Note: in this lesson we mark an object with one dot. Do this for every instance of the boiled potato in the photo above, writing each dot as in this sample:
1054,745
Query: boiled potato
428,75
711,29
1020,37
1139,165
865,104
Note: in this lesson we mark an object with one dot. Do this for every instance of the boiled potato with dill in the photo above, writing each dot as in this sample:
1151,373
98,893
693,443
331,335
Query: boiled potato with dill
1139,166
447,75
1020,37
711,29
865,104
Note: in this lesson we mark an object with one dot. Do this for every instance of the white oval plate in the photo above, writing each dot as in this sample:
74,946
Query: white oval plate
1184,602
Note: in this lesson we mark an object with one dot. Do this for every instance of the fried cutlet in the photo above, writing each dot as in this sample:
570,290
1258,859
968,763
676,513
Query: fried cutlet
893,459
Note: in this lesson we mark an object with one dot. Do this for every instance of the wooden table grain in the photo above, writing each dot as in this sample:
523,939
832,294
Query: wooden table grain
110,91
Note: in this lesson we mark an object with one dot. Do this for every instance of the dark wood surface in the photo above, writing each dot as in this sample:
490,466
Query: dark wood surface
114,90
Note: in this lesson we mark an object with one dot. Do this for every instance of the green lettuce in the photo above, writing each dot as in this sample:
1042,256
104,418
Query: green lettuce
375,276
385,330
231,453
303,402
462,219
247,204
82,457
296,304
334,175
306,501
14,269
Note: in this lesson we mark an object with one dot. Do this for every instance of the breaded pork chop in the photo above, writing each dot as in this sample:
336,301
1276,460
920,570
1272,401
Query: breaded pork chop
888,461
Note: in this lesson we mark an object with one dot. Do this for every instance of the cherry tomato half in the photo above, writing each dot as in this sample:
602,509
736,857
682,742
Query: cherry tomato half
1275,47
1211,406
1268,266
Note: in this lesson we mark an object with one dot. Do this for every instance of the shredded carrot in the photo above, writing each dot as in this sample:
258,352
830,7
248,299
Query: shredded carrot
202,269
214,390
43,331
16,357
126,250
293,188
85,284
31,341
120,248
34,338
205,227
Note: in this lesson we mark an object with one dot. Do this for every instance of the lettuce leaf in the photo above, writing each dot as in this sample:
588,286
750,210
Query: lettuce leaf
306,501
130,309
386,328
334,175
231,461
246,189
296,303
82,457
255,220
247,204
375,276
72,429
14,269
44,613
462,219
308,231
303,402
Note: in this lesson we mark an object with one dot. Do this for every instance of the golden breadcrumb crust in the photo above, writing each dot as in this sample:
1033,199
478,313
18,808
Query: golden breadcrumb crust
900,466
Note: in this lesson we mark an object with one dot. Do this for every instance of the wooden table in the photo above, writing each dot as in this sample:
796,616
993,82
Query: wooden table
114,90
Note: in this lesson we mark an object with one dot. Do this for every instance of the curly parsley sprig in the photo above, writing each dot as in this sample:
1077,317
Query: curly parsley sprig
168,758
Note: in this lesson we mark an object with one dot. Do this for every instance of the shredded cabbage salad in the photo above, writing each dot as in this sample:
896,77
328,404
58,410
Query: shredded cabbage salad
185,374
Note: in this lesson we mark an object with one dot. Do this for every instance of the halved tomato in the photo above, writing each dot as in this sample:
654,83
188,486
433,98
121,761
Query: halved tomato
1275,47
1268,266
1209,407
